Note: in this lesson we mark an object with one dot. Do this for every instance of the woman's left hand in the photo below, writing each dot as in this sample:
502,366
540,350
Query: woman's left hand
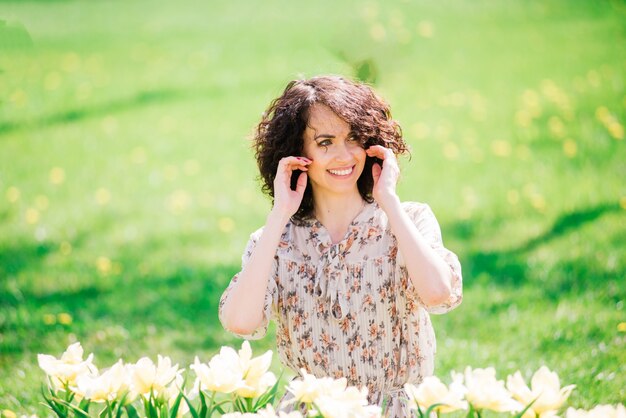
385,177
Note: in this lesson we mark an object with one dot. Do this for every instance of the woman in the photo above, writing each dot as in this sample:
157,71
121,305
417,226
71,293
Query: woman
347,271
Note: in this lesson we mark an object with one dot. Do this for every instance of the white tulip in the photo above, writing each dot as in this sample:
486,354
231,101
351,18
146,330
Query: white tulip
65,370
600,411
332,397
484,391
545,388
308,388
432,391
267,412
351,403
147,376
217,376
110,385
292,414
231,371
256,375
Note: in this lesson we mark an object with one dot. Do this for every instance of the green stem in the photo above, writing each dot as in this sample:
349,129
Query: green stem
66,386
211,404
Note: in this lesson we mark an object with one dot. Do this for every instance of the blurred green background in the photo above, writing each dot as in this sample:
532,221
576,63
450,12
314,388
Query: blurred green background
128,191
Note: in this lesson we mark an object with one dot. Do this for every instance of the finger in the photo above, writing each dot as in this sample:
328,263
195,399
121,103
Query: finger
288,164
294,160
378,151
301,184
376,170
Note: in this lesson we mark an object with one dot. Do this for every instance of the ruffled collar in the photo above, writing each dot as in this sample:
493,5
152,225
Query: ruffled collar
332,269
321,237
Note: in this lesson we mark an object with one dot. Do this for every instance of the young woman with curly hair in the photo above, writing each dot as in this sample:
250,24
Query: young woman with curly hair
348,272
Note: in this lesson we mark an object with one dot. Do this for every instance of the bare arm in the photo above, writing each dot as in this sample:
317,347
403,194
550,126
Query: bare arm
242,310
430,274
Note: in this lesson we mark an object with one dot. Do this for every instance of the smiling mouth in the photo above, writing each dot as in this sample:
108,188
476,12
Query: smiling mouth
343,172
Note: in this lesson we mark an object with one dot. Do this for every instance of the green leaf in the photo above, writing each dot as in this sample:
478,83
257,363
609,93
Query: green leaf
146,406
267,397
203,408
53,402
104,412
470,412
433,406
122,400
523,411
53,406
176,405
84,405
119,410
74,408
152,411
192,410
238,404
383,407
132,412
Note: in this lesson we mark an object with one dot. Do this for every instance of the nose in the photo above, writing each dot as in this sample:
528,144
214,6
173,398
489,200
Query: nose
344,152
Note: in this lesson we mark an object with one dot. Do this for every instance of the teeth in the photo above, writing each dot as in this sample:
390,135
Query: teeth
341,172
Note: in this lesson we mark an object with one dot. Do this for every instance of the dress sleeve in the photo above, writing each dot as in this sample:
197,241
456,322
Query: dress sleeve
427,224
271,293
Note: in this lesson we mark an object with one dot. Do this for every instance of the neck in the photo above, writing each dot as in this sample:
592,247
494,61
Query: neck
336,212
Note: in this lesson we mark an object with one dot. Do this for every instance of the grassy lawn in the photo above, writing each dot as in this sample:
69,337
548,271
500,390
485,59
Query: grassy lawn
128,191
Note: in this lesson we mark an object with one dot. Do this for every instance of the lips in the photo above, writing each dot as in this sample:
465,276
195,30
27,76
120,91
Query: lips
341,171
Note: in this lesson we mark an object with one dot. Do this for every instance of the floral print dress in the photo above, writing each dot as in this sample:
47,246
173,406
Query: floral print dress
350,309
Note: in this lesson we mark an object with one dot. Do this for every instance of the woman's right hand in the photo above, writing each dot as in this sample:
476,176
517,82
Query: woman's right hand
286,200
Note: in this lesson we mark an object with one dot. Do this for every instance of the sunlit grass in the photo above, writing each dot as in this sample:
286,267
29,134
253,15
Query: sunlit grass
127,187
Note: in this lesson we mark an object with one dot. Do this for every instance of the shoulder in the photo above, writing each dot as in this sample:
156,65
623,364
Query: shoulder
418,210
286,234
257,234
421,214
409,207
415,207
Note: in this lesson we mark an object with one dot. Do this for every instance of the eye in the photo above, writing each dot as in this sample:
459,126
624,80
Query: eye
354,139
325,143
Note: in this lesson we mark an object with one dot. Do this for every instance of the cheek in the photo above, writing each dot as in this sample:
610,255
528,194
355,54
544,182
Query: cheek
309,152
317,154
360,154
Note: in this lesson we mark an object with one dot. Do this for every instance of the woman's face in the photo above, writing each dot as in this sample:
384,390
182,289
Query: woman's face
338,157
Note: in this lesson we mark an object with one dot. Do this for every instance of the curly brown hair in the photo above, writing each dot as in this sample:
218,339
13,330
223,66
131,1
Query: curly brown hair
280,132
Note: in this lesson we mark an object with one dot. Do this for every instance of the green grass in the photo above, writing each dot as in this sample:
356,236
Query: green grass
146,108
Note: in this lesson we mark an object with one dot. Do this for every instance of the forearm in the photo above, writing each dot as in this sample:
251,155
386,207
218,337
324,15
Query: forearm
242,312
430,274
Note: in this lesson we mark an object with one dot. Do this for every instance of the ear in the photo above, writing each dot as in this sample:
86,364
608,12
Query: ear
376,170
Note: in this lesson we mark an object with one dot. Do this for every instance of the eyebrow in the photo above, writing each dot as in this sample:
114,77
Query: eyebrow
323,136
